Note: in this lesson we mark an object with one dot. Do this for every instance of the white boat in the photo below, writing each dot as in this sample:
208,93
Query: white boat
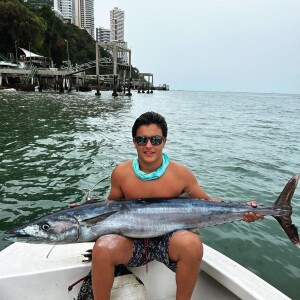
44,272
8,89
7,65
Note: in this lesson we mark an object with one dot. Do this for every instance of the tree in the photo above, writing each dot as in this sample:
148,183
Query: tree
19,26
60,37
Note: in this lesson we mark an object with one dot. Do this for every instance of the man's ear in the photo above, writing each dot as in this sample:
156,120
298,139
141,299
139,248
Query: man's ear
134,142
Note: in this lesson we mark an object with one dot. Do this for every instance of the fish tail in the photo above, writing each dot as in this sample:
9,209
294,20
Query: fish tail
283,203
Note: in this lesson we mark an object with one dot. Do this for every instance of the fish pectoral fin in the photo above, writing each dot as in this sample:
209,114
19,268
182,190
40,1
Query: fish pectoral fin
94,220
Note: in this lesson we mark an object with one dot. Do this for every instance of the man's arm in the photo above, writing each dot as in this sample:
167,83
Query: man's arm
116,192
192,187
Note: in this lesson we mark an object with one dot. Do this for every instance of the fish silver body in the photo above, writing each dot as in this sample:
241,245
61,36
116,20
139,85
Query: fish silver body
146,218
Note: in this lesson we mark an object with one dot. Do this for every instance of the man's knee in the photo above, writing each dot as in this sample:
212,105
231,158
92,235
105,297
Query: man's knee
107,243
185,245
115,248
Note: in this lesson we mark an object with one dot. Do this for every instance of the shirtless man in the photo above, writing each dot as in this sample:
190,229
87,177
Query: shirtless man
151,175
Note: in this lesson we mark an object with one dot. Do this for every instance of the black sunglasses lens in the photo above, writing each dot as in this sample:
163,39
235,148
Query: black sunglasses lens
141,140
156,140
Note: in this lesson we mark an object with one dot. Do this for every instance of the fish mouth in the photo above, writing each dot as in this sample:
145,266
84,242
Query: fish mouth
17,231
23,238
15,236
18,235
11,231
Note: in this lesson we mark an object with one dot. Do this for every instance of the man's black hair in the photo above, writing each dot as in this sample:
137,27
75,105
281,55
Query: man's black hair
149,118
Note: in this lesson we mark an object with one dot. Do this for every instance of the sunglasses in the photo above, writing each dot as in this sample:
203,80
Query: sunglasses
143,140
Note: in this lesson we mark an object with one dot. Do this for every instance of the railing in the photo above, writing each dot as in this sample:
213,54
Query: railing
104,62
2,57
27,77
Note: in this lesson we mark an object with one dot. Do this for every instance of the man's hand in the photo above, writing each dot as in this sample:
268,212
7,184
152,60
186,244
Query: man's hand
250,216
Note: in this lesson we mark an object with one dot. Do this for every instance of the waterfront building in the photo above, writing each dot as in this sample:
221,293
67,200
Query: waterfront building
66,7
57,12
102,35
84,16
117,20
77,16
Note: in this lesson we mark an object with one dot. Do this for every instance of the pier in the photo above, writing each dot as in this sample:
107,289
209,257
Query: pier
30,77
59,79
145,84
117,84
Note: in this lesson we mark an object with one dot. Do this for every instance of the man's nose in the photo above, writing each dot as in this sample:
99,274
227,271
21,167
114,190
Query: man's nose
148,144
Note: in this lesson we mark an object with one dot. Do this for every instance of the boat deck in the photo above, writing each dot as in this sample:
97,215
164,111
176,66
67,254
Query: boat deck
41,271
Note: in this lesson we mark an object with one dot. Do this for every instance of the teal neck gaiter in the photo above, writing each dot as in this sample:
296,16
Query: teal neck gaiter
154,175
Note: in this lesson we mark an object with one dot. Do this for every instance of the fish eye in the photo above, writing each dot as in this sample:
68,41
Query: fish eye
45,227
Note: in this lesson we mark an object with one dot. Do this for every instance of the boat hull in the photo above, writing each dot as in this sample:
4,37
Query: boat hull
41,271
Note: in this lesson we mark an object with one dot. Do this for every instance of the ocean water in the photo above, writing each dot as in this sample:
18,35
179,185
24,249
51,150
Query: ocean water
240,146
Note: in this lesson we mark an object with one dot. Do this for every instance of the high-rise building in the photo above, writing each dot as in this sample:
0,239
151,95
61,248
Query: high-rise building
66,7
77,17
86,13
117,18
102,34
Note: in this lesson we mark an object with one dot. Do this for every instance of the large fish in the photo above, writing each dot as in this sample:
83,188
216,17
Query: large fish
145,218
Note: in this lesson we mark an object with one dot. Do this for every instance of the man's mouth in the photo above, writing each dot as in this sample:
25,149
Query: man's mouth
148,153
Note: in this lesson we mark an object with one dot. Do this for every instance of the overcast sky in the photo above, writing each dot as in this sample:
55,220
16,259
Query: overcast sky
213,45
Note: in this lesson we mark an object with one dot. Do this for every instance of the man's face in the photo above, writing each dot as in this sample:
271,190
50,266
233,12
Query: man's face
149,153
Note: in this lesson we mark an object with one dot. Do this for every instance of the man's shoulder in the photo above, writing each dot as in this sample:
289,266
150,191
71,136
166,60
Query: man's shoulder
123,167
125,164
177,167
180,171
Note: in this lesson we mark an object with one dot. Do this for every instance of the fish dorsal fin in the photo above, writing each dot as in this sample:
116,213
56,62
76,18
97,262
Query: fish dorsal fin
94,220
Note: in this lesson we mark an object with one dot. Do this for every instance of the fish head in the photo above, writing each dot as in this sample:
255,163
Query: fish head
47,230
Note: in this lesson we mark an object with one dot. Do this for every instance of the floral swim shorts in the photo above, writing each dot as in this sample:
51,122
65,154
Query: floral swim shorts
156,249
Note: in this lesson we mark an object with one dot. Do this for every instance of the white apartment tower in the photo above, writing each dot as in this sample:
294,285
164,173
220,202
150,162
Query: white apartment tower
77,19
66,7
84,15
117,17
87,15
102,35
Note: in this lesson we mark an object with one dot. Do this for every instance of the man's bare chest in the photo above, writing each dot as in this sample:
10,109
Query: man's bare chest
158,188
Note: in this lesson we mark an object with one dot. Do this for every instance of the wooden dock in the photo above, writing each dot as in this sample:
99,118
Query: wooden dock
30,77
